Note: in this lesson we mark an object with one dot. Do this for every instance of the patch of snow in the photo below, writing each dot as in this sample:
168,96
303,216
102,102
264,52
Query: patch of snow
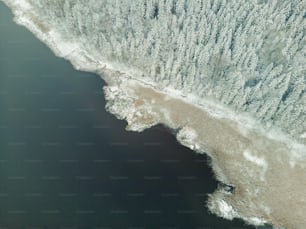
226,210
256,221
260,161
188,137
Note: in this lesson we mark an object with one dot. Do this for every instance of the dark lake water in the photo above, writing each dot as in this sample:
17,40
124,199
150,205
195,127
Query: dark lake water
67,163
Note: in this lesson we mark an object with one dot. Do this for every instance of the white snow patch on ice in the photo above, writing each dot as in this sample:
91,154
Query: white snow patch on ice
256,221
260,161
188,137
226,210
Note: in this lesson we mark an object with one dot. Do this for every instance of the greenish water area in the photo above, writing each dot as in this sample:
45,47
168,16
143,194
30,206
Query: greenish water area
67,163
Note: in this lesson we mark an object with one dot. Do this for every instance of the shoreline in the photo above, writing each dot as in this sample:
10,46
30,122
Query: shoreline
143,106
82,61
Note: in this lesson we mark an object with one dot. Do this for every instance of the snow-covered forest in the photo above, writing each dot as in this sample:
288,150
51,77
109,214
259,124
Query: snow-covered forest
249,55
